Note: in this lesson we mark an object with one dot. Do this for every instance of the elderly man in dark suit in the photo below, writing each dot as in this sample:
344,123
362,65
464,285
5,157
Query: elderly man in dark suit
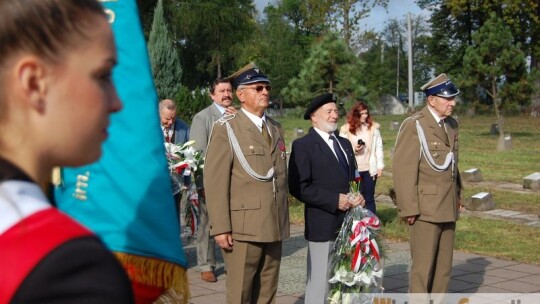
201,126
175,130
321,167
245,183
428,186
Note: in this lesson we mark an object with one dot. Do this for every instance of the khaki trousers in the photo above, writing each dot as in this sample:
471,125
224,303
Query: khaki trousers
432,248
252,272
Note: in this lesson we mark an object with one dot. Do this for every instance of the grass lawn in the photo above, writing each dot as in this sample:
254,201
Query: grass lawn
496,238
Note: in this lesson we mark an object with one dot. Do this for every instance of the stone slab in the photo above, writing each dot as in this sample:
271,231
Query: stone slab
473,175
482,201
532,181
298,132
394,125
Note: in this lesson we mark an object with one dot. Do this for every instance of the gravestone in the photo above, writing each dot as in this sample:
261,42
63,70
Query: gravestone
504,143
394,125
482,201
532,181
298,132
494,130
473,175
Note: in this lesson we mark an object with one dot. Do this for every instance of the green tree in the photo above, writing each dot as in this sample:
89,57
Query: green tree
330,67
453,23
496,65
346,14
209,33
189,102
164,59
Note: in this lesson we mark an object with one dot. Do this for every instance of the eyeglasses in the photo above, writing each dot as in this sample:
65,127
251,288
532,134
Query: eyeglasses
259,88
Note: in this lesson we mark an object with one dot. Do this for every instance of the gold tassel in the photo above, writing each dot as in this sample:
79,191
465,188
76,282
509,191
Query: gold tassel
156,272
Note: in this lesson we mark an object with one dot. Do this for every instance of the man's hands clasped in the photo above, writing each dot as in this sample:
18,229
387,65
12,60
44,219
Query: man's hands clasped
346,202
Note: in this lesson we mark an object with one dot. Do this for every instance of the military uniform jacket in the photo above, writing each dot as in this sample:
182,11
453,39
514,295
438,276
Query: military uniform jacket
420,190
252,210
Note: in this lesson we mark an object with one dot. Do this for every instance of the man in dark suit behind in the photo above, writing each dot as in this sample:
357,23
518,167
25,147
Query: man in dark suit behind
175,131
319,179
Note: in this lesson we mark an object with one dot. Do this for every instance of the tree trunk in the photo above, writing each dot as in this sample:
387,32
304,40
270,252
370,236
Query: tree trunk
501,144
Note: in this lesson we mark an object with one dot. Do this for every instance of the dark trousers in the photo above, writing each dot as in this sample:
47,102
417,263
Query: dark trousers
367,189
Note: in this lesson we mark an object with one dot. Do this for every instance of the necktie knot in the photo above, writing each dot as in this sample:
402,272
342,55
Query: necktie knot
339,154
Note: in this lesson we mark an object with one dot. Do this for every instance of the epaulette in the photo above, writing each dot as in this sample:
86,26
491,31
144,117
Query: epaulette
413,118
225,118
416,116
452,122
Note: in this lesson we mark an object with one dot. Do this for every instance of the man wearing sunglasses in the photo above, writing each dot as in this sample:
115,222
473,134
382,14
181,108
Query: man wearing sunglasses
245,184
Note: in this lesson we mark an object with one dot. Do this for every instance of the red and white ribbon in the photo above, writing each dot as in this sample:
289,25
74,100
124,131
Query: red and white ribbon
362,242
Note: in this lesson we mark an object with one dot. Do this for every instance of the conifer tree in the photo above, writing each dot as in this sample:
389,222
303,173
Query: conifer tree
164,57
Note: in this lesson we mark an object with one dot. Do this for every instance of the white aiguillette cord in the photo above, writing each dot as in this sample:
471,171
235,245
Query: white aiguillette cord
425,150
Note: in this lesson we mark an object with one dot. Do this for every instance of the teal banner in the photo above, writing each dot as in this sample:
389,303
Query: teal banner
126,196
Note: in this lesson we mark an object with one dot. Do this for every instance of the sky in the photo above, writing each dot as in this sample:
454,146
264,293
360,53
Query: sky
378,16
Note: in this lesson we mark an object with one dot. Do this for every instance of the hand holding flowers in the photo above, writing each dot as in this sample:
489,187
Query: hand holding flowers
355,265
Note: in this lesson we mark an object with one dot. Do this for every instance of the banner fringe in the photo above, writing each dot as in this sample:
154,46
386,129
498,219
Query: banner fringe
155,272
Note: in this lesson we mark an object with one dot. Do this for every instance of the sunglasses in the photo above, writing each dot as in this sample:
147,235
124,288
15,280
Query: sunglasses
259,88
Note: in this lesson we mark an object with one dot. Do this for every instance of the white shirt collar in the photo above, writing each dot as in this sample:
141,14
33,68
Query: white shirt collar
220,108
435,116
18,200
324,135
258,121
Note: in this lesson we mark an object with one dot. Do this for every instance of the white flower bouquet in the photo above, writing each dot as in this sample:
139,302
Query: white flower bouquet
185,163
355,261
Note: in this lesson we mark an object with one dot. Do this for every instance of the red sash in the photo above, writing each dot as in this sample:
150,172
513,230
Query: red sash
24,245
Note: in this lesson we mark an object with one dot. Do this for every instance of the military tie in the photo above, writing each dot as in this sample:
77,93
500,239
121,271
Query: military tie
340,156
265,133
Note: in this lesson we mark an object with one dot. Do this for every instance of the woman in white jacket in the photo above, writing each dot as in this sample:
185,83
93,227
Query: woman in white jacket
364,135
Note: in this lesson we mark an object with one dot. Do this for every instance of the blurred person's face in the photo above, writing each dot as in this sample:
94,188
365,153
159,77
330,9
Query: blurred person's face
79,98
222,94
364,114
167,117
255,97
443,106
326,117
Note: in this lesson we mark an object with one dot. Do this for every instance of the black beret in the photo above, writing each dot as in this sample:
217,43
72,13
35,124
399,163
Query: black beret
317,102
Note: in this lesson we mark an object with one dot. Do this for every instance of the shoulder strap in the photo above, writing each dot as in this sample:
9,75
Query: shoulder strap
25,244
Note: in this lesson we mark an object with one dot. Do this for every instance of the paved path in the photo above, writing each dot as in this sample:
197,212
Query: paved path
471,273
